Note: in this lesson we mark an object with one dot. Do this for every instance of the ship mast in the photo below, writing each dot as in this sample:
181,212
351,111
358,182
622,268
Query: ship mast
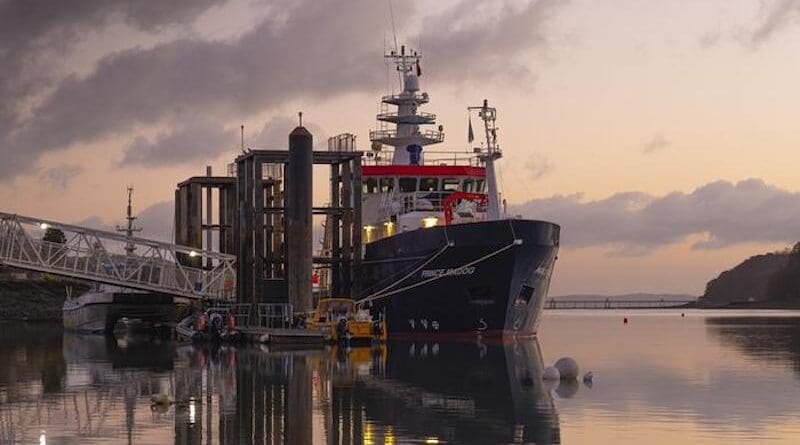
489,156
130,247
406,138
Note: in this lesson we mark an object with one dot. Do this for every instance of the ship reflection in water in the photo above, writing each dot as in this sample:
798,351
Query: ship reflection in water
58,388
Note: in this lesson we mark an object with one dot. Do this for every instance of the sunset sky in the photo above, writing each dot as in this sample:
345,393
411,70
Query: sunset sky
662,135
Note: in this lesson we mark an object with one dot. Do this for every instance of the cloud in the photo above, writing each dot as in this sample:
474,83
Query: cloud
776,16
157,222
709,40
537,166
307,49
497,33
275,133
35,36
59,177
186,142
656,143
635,223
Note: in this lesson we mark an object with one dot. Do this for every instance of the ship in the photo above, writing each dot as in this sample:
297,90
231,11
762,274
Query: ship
441,256
98,310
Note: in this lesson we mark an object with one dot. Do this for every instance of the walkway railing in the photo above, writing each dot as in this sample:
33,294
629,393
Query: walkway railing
609,303
97,255
260,315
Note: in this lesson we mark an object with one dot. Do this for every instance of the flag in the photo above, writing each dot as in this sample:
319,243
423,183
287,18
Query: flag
419,70
470,134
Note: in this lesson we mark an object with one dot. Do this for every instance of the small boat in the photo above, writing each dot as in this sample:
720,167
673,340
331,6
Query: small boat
211,325
339,320
98,311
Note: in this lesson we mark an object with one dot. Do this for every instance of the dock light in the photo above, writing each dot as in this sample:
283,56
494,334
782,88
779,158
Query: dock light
192,411
389,228
44,226
368,229
192,253
432,440
430,221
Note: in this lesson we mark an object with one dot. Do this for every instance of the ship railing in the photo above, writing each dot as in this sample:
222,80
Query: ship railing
391,133
403,97
429,157
399,203
395,115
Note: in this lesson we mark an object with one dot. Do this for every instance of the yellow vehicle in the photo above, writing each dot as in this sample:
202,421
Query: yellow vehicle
339,320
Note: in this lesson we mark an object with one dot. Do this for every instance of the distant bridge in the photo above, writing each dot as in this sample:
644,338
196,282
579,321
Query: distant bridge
610,303
97,255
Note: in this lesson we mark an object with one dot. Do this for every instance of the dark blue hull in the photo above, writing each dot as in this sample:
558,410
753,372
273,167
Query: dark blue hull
488,278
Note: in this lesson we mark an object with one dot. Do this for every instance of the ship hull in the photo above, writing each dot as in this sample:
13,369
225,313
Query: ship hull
486,278
98,312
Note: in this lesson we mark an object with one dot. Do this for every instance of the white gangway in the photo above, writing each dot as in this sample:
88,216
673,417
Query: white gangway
100,256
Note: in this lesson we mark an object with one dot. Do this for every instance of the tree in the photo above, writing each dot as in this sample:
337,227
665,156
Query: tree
785,284
54,235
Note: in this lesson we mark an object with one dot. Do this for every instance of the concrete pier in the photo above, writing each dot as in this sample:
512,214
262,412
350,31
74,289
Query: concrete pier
298,218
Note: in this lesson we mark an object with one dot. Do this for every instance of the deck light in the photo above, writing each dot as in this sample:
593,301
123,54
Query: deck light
430,221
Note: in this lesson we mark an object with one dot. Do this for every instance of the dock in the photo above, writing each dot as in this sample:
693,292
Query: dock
285,336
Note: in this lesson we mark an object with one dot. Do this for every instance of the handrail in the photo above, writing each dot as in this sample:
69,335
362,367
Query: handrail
100,256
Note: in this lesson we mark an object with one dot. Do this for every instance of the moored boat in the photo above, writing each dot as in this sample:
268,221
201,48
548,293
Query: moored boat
441,256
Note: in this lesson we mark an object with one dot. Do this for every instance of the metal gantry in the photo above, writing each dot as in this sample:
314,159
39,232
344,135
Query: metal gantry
100,256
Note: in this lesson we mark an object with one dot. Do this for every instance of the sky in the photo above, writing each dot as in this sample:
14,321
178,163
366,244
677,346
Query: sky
661,136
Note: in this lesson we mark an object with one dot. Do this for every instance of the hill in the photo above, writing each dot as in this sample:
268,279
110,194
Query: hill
769,280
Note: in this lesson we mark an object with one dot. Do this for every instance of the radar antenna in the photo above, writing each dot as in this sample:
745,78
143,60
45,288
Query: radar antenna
130,247
492,153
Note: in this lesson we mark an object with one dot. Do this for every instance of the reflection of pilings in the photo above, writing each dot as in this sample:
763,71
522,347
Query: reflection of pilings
258,411
245,376
298,404
130,412
188,405
343,419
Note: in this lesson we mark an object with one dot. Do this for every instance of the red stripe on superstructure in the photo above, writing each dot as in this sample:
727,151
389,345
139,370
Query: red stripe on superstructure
422,170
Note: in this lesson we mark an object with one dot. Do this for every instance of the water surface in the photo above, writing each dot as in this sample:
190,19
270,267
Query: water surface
705,377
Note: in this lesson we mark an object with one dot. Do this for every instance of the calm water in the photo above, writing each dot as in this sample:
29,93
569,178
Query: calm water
708,377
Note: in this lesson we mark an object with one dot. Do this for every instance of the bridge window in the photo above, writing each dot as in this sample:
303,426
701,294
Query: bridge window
429,184
387,185
370,185
450,184
408,185
468,185
479,185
